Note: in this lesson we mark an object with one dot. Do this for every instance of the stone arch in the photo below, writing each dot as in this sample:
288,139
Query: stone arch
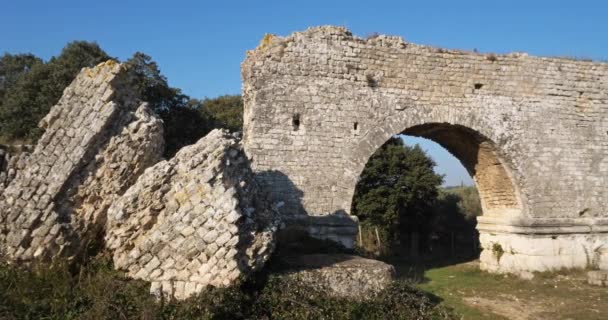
470,139
318,103
479,155
499,194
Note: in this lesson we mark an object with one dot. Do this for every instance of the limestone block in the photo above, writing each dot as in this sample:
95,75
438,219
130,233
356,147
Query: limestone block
340,275
99,138
10,164
598,277
524,253
198,218
339,228
603,258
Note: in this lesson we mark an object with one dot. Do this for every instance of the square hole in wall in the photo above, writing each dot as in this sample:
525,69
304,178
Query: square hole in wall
295,121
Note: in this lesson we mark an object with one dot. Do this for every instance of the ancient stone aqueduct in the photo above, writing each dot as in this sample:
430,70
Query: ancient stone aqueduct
533,132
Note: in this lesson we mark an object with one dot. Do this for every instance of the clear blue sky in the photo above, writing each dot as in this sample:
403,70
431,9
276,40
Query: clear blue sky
449,166
199,45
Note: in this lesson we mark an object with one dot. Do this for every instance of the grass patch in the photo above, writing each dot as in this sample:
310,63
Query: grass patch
453,283
56,292
479,295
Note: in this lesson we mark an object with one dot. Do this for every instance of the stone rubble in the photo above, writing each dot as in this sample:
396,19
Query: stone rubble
99,138
183,224
195,220
340,275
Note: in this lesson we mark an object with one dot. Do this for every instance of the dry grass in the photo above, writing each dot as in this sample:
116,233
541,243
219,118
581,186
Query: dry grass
479,295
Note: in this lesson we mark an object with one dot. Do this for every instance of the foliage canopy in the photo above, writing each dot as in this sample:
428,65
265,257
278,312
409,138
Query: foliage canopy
397,189
29,87
32,87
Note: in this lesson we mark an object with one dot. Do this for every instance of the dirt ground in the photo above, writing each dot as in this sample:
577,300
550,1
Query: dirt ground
478,295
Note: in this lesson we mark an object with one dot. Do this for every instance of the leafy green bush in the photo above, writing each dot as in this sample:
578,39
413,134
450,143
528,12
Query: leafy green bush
56,292
96,291
28,94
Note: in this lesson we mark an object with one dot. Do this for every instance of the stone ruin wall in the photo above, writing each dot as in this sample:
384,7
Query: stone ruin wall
532,131
94,180
98,139
11,162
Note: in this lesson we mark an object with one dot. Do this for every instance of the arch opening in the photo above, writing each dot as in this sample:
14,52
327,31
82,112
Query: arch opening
449,223
480,157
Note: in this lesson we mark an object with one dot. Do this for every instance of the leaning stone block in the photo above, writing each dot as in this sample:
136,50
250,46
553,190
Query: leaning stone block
193,221
99,138
11,163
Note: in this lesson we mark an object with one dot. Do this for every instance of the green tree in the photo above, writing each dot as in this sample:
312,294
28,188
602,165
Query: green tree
29,87
153,86
227,111
35,92
184,126
470,204
448,215
14,66
184,123
397,189
454,220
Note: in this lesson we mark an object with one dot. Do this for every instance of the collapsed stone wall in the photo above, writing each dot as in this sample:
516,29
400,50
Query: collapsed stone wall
197,219
182,224
10,164
99,138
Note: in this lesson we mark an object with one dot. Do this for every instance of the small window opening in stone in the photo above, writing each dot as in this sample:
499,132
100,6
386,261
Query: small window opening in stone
295,121
356,126
478,86
371,82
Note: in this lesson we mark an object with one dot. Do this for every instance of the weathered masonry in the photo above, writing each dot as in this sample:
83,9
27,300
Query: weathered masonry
96,179
533,132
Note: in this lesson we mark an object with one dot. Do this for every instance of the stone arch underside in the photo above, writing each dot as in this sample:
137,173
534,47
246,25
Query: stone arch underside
479,156
499,194
532,131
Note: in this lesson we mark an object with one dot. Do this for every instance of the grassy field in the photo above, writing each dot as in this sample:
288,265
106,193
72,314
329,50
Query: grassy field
478,295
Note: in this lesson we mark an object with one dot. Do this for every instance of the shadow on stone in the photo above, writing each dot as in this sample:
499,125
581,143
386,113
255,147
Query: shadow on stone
317,250
299,229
